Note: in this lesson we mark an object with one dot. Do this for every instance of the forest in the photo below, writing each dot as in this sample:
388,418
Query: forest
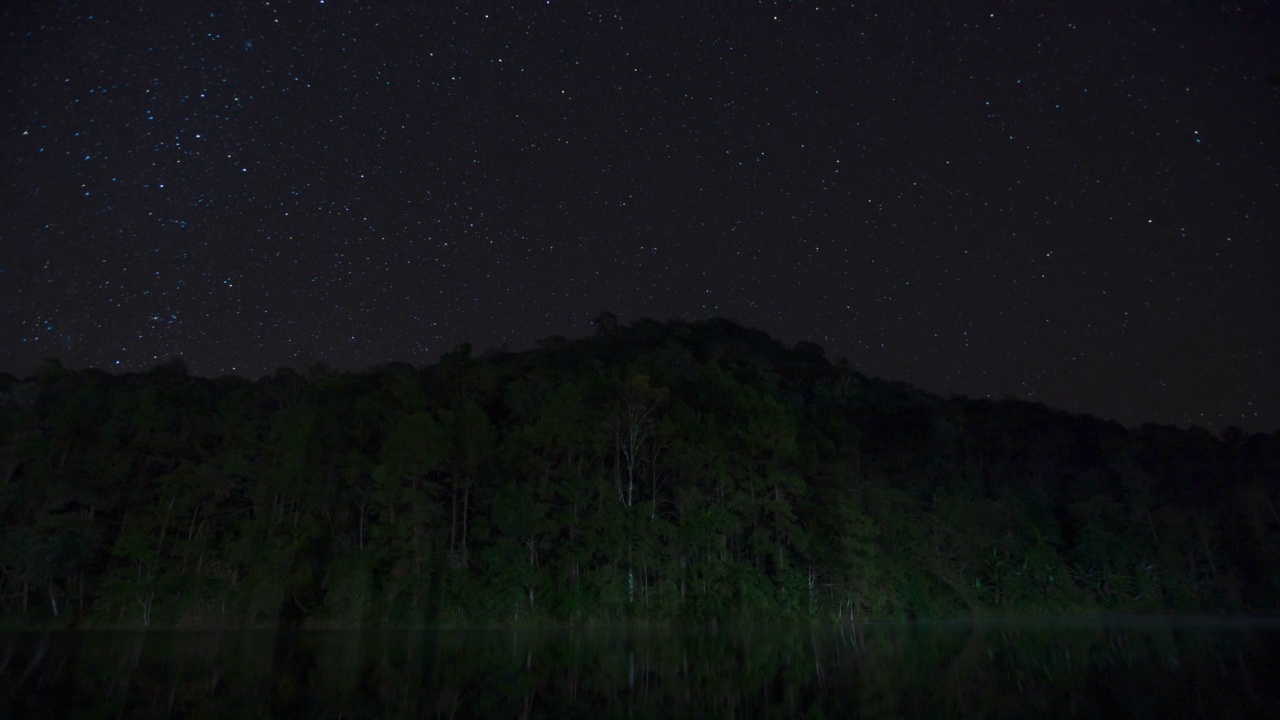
677,472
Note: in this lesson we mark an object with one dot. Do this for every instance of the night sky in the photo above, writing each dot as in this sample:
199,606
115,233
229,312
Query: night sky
1076,205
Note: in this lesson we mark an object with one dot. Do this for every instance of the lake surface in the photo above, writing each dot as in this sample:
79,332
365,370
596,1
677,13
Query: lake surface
1133,668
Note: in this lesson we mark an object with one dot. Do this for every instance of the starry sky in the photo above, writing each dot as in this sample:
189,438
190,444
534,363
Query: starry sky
1074,203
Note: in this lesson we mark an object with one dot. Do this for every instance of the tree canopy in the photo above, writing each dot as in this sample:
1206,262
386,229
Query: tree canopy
654,472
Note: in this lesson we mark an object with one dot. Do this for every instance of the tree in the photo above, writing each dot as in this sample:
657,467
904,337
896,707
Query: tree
606,323
632,423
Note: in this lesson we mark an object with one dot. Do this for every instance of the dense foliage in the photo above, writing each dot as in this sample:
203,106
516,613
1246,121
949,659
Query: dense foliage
653,472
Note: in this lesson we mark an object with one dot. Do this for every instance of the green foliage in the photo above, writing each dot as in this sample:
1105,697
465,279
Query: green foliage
651,473
349,588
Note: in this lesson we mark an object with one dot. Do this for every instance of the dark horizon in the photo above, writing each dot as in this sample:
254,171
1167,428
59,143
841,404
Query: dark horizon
470,350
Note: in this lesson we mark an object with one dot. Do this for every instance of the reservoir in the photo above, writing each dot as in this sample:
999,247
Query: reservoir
1158,668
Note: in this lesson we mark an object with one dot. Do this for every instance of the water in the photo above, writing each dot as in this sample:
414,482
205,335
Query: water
1142,668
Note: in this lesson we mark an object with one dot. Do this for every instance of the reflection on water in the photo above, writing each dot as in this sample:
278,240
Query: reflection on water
1112,669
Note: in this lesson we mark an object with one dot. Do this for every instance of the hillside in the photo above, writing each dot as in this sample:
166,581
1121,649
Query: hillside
653,472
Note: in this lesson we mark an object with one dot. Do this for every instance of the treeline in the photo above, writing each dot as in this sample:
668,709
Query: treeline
654,472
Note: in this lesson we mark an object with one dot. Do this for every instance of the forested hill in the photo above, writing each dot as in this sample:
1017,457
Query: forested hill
653,472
